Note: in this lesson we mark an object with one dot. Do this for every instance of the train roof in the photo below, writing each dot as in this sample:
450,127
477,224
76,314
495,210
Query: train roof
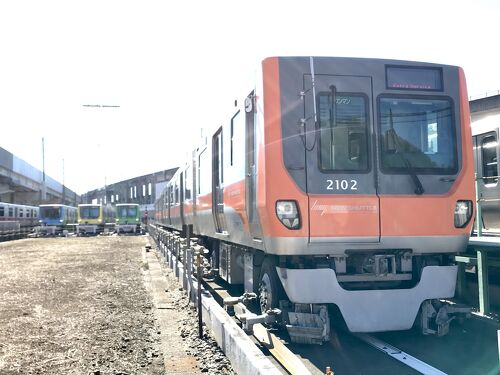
56,205
485,124
362,60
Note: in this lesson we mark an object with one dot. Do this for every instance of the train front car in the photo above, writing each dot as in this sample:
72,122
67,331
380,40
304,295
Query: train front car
94,218
364,188
55,218
127,218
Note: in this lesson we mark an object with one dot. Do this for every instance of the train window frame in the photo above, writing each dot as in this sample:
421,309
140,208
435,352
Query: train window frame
487,180
2,211
418,170
368,129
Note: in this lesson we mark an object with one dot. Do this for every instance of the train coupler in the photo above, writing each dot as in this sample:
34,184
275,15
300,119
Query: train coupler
245,298
306,323
248,320
436,316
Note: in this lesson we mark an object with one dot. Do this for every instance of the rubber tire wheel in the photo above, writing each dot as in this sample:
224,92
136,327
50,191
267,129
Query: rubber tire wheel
269,277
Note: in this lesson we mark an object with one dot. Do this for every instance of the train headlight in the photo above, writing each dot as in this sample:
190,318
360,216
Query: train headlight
288,214
463,213
61,220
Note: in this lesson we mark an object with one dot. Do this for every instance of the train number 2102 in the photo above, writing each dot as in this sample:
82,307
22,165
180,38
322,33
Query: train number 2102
342,185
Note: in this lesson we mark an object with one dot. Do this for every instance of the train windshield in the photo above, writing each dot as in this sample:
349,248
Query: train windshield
127,212
89,212
50,212
419,134
343,123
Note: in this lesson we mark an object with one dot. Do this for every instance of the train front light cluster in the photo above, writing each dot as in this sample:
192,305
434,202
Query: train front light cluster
463,213
288,214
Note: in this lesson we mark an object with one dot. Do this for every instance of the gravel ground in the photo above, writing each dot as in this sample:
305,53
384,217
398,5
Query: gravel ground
81,306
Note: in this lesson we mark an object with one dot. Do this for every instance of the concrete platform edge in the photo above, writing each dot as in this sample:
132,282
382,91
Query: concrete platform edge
234,342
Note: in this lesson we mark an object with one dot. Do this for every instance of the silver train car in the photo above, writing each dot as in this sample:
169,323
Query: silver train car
17,220
486,135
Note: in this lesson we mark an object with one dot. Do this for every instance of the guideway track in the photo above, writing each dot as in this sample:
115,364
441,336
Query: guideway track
180,257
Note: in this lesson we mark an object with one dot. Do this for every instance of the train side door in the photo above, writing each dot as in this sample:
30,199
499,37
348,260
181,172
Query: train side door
487,149
218,183
341,179
250,166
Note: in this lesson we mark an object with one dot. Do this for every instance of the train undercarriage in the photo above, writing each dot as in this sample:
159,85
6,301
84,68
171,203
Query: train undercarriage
369,292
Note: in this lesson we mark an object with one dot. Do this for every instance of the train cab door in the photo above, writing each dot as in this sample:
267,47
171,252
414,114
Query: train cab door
340,158
218,183
487,149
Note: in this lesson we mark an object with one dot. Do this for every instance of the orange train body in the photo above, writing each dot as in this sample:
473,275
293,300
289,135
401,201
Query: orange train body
354,173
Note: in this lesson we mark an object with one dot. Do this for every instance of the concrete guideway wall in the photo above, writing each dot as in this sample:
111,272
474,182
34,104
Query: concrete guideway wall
234,342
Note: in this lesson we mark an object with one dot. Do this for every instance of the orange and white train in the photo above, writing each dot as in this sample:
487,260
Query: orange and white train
340,182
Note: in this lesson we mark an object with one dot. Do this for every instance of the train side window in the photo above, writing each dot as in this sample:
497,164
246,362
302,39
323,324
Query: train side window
490,162
235,126
2,211
204,173
188,183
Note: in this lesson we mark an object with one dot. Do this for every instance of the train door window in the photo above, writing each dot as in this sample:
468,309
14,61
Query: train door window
131,192
11,212
21,212
143,190
489,156
135,191
343,122
28,212
149,189
2,211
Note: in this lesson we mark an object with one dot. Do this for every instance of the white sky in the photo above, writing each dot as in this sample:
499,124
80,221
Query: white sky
175,66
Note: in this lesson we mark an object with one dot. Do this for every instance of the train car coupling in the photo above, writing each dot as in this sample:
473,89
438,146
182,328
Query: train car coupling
436,316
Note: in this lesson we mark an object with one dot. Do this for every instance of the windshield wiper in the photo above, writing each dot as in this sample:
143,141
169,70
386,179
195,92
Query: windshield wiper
419,189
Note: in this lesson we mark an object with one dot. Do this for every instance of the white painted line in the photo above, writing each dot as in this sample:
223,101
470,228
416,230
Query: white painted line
399,355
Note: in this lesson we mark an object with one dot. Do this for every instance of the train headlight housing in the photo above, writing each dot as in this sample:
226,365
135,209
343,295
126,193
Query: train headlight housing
463,213
288,214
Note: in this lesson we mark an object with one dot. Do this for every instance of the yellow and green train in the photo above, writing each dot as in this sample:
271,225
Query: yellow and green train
128,219
95,218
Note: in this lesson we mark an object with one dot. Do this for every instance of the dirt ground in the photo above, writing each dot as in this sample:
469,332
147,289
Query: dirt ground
76,306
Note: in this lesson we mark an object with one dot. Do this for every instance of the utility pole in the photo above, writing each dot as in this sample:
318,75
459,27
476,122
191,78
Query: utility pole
63,199
44,187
